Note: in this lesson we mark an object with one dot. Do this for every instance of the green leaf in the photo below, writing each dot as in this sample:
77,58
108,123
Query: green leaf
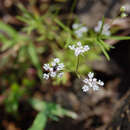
40,121
25,12
105,45
21,18
57,110
101,26
34,58
28,83
62,25
8,29
33,54
51,108
12,101
68,41
103,49
8,36
38,104
116,37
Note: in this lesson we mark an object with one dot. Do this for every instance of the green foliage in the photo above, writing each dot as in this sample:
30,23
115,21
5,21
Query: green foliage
39,122
21,43
34,58
48,110
116,37
13,98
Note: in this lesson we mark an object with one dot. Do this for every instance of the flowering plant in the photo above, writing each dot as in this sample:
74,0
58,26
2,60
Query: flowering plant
41,38
53,70
83,44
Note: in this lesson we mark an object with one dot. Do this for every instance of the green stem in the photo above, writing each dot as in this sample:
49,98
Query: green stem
71,11
101,26
77,65
73,5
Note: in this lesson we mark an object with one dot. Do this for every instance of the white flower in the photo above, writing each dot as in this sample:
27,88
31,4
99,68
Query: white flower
60,66
85,88
100,82
90,75
53,74
79,49
78,33
46,67
45,76
53,63
54,69
56,60
106,28
72,47
60,74
79,44
83,29
76,25
79,29
95,87
92,83
51,69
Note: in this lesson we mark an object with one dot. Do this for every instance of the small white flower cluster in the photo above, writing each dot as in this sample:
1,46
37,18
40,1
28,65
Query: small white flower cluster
91,82
106,28
79,29
79,49
54,69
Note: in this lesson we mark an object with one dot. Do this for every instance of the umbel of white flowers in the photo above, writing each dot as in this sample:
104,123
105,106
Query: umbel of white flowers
91,83
54,69
106,28
79,49
79,29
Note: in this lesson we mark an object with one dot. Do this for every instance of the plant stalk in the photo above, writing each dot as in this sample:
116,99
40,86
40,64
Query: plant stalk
77,65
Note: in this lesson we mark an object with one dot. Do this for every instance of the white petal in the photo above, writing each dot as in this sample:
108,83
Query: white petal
72,47
53,64
85,88
60,66
75,26
77,51
99,23
60,74
45,76
86,48
90,84
86,81
90,75
100,83
94,80
51,69
53,74
79,43
46,67
56,60
83,29
95,87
